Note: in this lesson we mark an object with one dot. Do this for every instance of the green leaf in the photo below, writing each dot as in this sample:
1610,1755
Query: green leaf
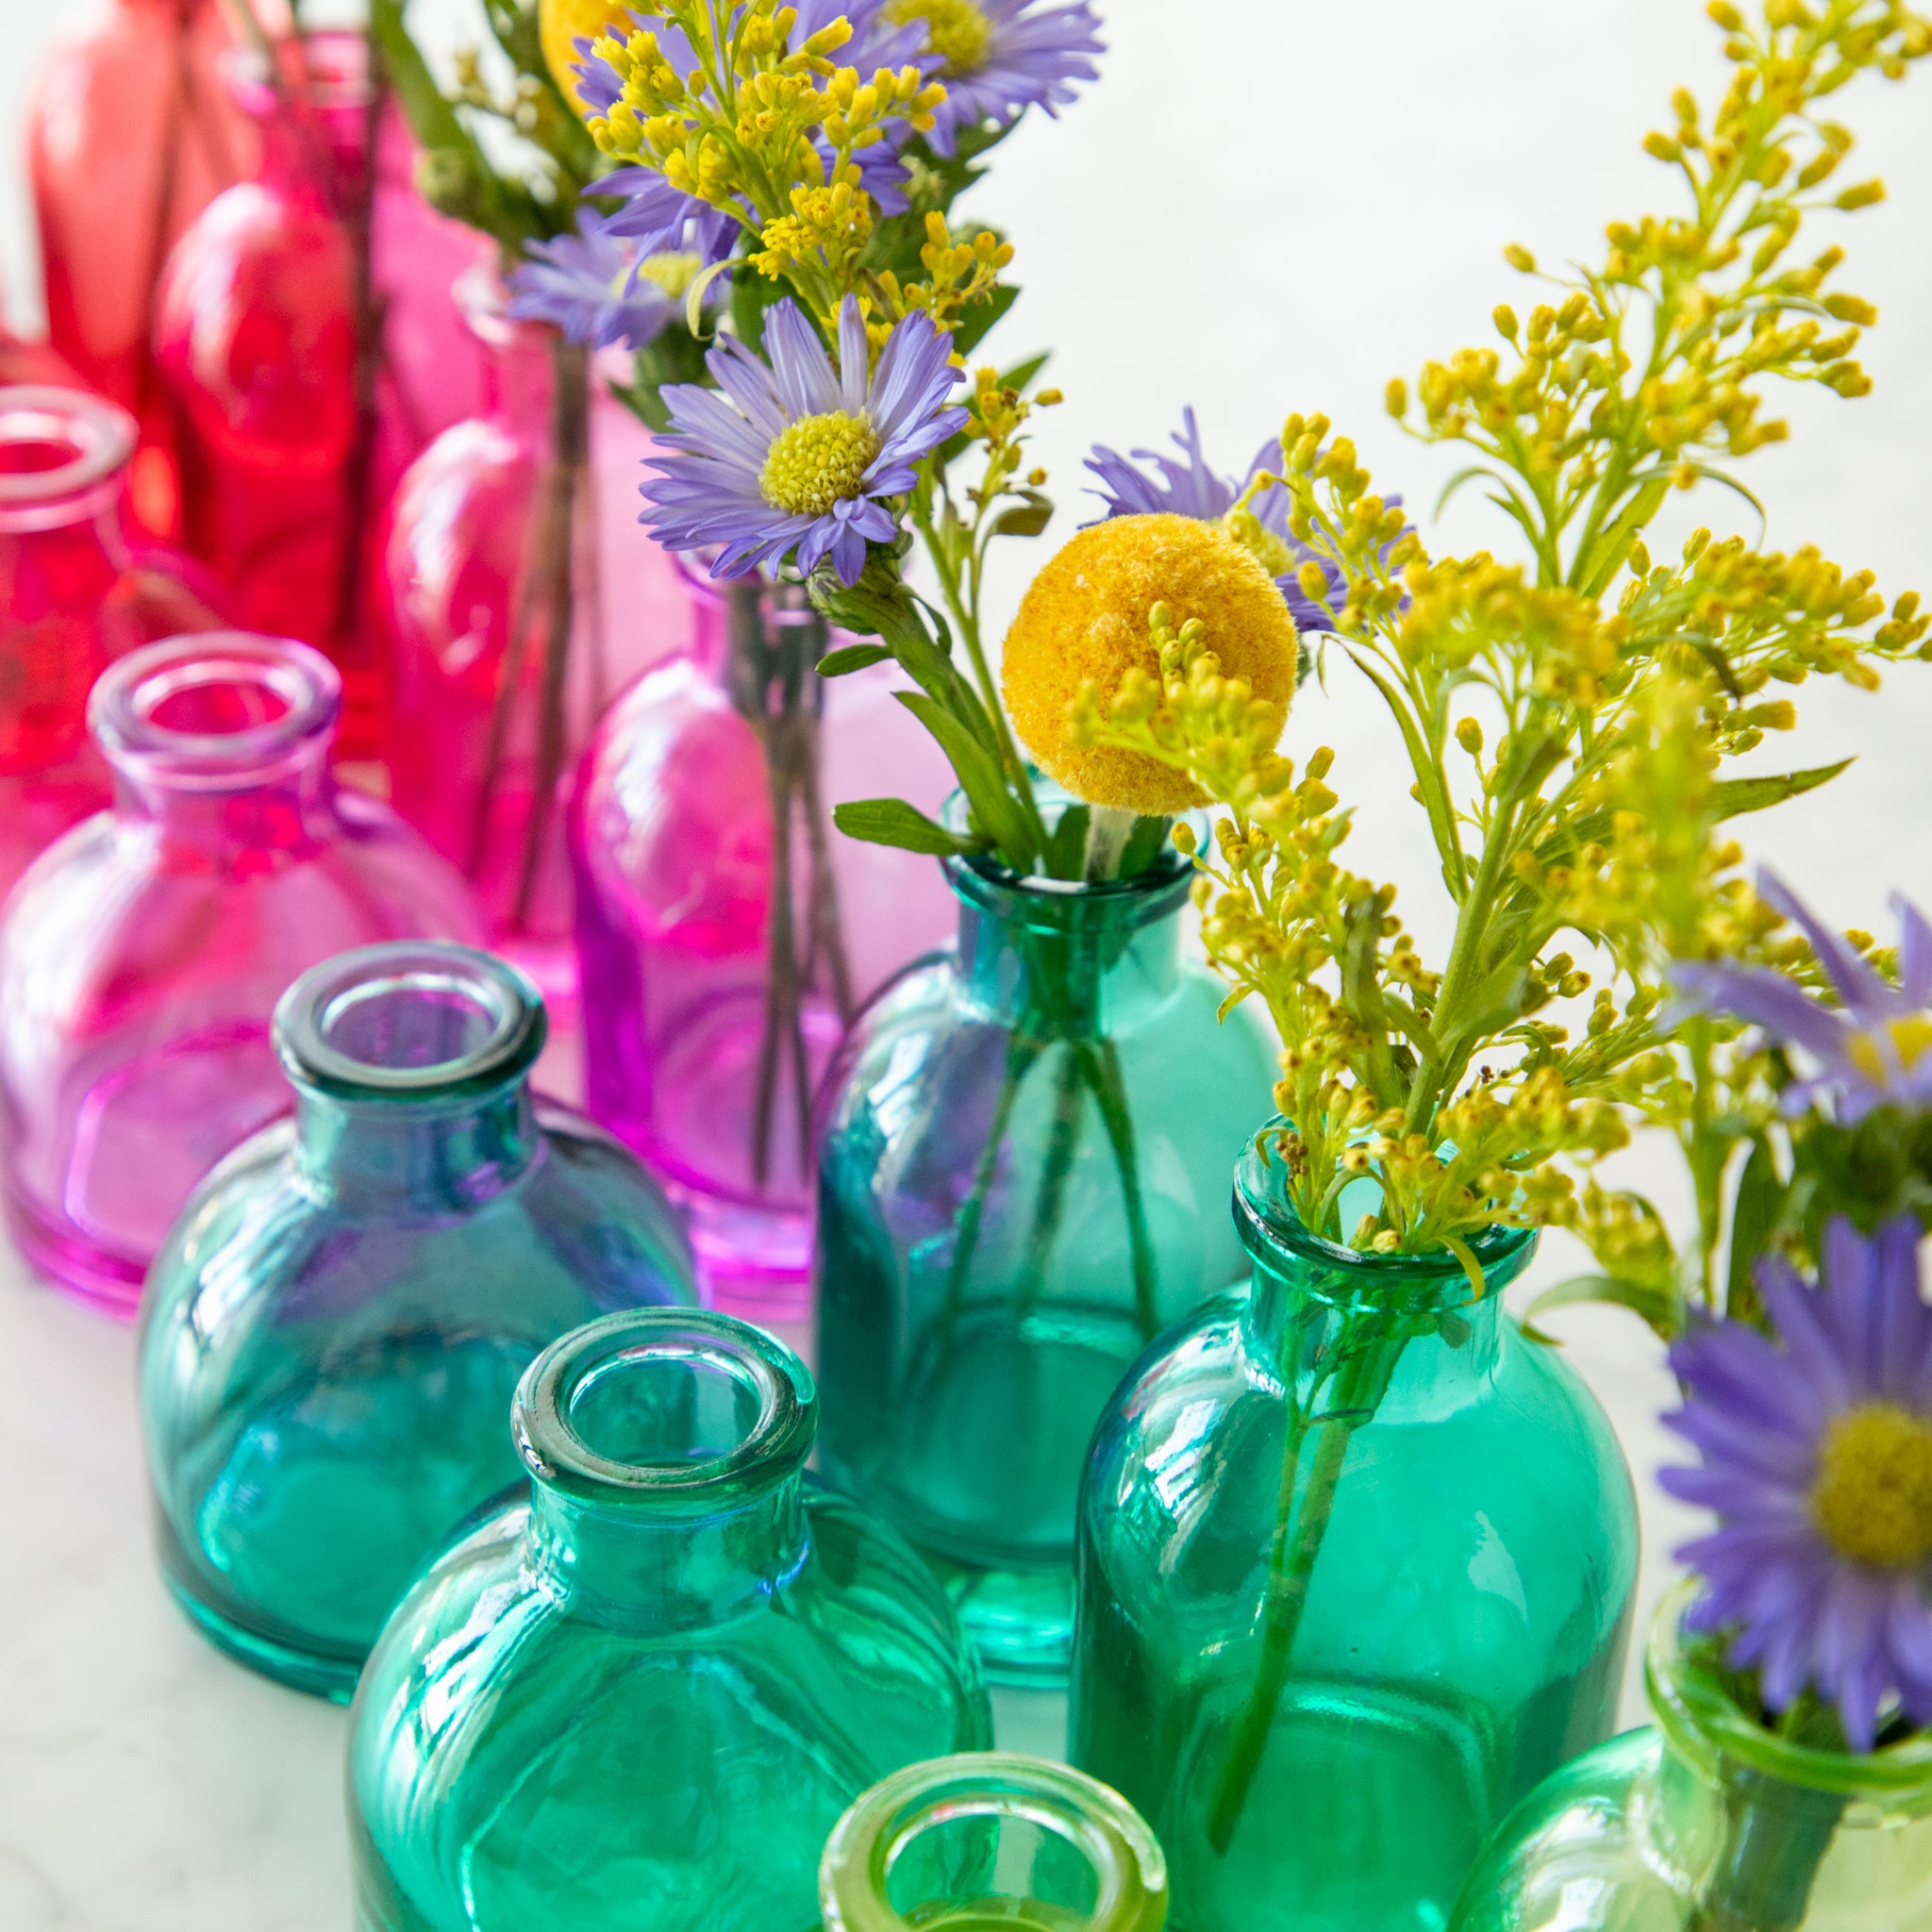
1066,850
1435,799
1754,1219
979,319
1026,519
1654,1304
994,808
1736,795
892,822
852,657
1146,844
1610,550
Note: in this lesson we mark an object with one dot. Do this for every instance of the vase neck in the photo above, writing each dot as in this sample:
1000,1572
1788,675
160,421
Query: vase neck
63,460
520,358
667,1449
315,124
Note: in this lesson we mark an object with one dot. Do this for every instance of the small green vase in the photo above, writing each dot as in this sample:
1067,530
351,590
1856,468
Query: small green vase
986,1842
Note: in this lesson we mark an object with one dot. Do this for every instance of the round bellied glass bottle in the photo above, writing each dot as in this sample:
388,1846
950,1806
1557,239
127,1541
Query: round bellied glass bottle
641,1694
988,1842
1022,1183
1711,1821
332,1333
1355,1568
142,954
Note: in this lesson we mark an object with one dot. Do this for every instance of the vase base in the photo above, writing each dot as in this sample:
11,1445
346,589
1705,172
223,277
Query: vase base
73,1265
332,1678
1020,1621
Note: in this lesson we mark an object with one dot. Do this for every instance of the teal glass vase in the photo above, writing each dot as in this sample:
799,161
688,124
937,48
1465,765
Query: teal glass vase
1022,1182
988,1842
641,1695
1356,1567
334,1328
1708,1821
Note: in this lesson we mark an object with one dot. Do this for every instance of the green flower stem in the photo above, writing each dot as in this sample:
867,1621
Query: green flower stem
1775,1839
1110,1093
1063,1141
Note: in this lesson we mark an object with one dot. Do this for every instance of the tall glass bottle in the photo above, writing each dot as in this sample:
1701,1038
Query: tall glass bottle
78,588
1356,1568
641,1694
726,933
1021,1183
984,1843
142,955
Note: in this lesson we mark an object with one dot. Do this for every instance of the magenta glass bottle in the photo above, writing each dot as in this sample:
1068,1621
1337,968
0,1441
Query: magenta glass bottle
79,589
143,955
726,933
506,639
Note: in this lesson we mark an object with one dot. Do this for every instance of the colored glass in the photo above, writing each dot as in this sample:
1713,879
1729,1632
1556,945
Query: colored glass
78,588
1356,1568
507,634
331,1335
983,1842
720,958
1024,1181
643,1693
131,133
1711,1821
143,955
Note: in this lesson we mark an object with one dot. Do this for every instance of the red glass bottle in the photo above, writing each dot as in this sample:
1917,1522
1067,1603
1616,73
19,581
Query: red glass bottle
79,589
131,133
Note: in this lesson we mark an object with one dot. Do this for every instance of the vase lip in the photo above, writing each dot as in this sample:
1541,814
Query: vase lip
337,77
409,1020
1275,1235
1708,1727
280,699
100,435
771,1449
1129,1867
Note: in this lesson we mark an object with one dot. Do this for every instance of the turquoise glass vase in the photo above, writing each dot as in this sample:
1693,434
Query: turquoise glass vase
334,1328
1022,1182
988,1842
642,1695
1707,1821
1356,1566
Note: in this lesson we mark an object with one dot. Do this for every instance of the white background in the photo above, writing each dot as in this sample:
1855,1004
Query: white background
1267,205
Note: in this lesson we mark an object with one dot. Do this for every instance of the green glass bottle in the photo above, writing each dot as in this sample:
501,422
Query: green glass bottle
641,1695
988,1842
1707,1821
1356,1565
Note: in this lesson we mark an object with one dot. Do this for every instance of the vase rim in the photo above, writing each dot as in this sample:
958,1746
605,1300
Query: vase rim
1707,1725
771,1448
409,1020
1129,1867
101,436
283,698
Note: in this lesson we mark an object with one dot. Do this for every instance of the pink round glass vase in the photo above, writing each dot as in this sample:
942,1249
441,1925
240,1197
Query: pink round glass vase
79,589
508,631
726,933
143,955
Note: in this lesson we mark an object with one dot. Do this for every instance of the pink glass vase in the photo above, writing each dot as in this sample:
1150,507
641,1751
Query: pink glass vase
726,933
131,133
514,613
305,334
77,590
142,955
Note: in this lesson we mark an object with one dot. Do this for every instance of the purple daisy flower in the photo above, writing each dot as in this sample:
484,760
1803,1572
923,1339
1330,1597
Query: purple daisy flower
791,457
998,57
588,286
1817,1458
1874,1049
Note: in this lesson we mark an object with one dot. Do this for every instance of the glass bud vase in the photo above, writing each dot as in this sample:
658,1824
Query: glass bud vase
1355,1568
985,1843
726,933
77,590
142,955
331,1335
1023,1182
641,1694
1708,1821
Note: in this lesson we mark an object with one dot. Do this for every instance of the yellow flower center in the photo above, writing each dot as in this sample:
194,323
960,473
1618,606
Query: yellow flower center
1872,1498
817,461
1270,551
1907,1038
956,30
672,272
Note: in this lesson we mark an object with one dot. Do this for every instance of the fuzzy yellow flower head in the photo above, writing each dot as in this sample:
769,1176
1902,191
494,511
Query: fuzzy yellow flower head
561,23
1084,620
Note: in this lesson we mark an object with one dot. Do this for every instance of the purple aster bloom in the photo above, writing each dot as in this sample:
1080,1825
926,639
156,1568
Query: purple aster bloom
588,286
1871,1050
791,457
998,57
663,220
1817,1458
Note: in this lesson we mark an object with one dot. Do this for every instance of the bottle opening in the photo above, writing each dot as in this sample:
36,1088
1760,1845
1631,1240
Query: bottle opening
662,1403
409,1020
61,455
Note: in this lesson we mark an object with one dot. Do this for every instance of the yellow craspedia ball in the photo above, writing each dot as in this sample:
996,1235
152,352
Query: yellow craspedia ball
562,22
1085,617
